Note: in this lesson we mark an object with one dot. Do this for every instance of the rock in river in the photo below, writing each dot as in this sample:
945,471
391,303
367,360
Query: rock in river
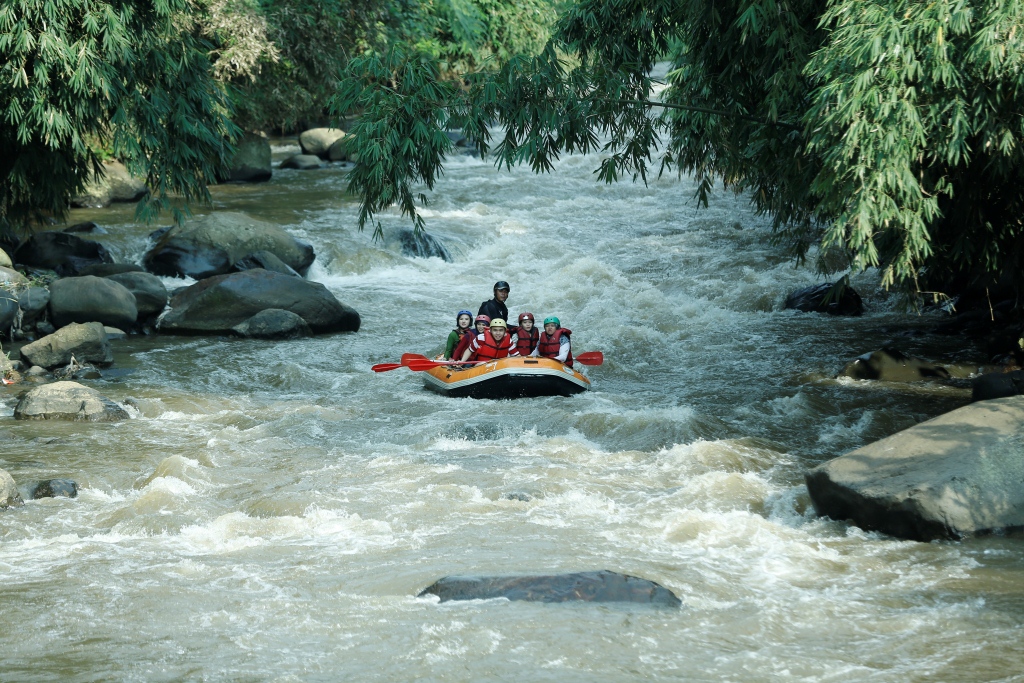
826,298
419,244
602,586
67,401
149,292
62,252
9,496
218,304
5,260
302,162
273,323
115,185
213,244
90,298
318,141
55,488
959,474
8,311
87,342
890,365
251,161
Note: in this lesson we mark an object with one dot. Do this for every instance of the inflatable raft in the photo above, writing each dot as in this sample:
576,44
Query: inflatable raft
507,378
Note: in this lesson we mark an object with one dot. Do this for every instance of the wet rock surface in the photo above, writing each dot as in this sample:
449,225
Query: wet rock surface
273,323
108,269
218,304
251,162
826,298
149,292
317,141
62,252
86,342
213,244
9,276
92,299
302,162
891,365
55,488
115,185
418,244
266,261
8,311
997,385
67,401
600,586
959,474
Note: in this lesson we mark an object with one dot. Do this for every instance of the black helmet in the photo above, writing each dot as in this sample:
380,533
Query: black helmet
501,284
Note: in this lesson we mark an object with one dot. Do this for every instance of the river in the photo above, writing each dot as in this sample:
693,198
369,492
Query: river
273,509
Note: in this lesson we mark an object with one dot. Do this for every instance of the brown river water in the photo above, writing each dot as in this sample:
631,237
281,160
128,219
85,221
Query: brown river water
272,509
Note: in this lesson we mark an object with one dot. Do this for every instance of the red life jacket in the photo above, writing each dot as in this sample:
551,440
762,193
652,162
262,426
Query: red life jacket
490,349
550,346
464,341
526,344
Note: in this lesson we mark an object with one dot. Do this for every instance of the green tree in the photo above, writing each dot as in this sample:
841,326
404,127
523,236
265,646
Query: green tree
887,132
130,75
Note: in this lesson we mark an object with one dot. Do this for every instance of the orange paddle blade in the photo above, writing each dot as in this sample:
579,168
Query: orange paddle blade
384,367
590,358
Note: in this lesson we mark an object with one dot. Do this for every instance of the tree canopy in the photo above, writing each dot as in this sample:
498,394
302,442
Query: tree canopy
887,132
78,76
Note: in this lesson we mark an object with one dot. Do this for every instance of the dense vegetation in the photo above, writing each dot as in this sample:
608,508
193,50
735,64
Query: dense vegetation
887,132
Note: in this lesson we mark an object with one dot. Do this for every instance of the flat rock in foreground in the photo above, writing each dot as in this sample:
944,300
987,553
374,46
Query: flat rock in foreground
86,342
960,474
602,586
67,401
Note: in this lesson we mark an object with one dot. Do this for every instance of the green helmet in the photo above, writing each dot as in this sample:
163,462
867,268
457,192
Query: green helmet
552,319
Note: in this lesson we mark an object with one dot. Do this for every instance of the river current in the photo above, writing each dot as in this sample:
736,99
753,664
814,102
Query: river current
272,509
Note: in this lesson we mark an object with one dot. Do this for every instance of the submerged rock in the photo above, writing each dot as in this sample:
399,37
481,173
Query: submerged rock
273,323
213,244
826,298
67,401
890,365
115,185
418,244
302,162
92,299
62,252
218,304
960,474
9,496
55,488
86,342
601,586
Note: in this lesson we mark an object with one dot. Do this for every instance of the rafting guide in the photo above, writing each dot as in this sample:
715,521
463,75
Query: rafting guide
499,360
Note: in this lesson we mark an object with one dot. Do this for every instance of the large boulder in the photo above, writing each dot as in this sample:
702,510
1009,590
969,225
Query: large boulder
602,586
90,298
338,151
55,488
266,261
318,141
149,292
9,496
273,323
960,474
87,343
115,185
890,365
5,260
302,162
997,385
62,252
826,298
218,304
108,269
213,244
67,401
251,161
419,244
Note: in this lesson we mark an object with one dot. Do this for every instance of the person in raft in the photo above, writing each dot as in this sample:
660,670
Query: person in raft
527,335
496,308
493,344
554,342
482,322
463,328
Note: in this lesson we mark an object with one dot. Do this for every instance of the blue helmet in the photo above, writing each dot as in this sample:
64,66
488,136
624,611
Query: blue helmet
462,313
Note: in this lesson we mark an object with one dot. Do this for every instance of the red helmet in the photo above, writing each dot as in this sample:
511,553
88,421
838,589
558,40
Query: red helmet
526,316
483,319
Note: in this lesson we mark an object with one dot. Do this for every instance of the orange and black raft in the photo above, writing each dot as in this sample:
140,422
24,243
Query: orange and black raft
515,377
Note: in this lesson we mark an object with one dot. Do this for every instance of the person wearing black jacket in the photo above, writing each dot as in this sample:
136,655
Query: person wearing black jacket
496,308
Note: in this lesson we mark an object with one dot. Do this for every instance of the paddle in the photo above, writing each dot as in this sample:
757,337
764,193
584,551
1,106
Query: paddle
384,367
590,358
